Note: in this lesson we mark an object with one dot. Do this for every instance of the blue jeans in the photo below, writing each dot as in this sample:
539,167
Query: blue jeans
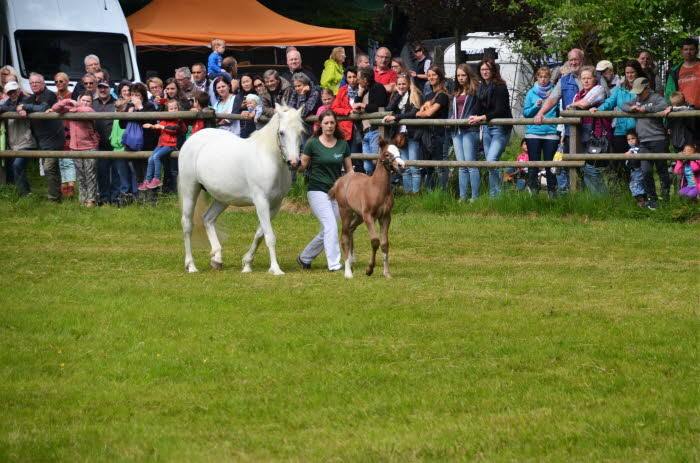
637,182
563,175
107,180
593,179
154,163
495,141
540,149
122,166
466,146
19,168
370,145
411,178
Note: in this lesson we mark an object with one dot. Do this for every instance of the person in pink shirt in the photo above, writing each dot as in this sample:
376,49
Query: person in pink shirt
518,175
83,137
327,98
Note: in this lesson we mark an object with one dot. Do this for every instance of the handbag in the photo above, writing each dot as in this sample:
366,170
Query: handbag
132,139
597,145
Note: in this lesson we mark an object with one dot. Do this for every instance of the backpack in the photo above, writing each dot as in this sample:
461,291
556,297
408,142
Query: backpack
132,138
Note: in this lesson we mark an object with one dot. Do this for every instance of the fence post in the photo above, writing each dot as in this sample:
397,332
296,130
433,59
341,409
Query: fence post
382,128
574,147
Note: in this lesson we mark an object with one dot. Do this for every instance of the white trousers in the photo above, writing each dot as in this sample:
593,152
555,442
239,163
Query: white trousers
326,211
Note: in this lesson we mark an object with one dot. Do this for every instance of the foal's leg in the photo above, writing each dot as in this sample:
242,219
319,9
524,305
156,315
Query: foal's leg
346,215
384,223
265,214
354,222
189,197
369,221
209,219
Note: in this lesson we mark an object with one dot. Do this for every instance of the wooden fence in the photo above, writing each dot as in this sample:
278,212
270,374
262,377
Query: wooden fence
573,118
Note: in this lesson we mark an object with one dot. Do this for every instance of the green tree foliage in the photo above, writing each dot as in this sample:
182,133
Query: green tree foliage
613,30
440,18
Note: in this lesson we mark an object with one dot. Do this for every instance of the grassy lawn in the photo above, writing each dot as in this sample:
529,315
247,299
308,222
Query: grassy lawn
507,335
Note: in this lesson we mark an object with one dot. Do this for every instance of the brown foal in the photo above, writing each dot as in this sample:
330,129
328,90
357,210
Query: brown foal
367,199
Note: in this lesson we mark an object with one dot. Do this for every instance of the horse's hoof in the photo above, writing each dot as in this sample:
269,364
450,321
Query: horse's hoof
369,271
348,274
275,271
216,265
190,269
246,268
388,276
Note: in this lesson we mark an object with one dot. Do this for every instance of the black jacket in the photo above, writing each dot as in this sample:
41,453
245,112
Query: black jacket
498,107
409,112
104,128
377,97
49,134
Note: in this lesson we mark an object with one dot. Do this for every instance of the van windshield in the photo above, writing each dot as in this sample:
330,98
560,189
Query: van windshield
48,52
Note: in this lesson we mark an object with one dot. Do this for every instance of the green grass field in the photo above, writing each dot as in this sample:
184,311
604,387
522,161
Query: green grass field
512,330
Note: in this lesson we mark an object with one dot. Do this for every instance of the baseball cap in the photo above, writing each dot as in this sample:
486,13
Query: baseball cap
639,84
103,83
12,85
603,65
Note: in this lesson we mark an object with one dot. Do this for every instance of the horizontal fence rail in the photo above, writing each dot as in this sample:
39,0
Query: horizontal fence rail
623,156
464,122
616,114
175,154
162,115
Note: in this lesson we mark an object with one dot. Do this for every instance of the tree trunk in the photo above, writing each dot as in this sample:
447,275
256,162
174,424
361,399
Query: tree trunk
458,48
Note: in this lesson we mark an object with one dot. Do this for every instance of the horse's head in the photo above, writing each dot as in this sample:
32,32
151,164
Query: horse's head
390,157
291,126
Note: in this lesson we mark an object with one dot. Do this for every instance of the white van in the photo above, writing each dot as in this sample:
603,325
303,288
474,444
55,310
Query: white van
48,36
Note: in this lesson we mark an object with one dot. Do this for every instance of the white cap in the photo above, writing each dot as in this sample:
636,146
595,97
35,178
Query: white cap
12,85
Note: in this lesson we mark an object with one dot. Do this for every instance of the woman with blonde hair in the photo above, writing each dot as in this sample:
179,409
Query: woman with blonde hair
405,104
333,70
65,165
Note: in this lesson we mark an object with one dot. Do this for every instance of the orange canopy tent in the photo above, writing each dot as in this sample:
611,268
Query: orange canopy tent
244,23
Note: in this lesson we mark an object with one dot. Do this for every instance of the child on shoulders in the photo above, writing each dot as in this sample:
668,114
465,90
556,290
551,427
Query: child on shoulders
253,105
215,58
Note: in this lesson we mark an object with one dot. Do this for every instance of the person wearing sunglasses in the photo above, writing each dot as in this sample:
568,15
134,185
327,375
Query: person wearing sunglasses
423,63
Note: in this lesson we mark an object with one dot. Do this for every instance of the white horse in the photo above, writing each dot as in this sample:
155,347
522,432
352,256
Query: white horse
241,172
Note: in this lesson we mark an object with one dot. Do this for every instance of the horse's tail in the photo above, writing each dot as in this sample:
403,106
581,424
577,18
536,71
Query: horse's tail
331,192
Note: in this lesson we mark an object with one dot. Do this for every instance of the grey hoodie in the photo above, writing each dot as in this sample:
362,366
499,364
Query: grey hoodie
649,129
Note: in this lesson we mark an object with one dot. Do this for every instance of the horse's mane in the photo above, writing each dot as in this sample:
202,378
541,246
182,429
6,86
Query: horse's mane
267,136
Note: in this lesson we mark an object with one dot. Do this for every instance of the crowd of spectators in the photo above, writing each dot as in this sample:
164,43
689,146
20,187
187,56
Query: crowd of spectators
419,90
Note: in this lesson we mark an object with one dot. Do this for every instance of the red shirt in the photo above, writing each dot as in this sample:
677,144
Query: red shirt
384,77
168,136
689,83
341,107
